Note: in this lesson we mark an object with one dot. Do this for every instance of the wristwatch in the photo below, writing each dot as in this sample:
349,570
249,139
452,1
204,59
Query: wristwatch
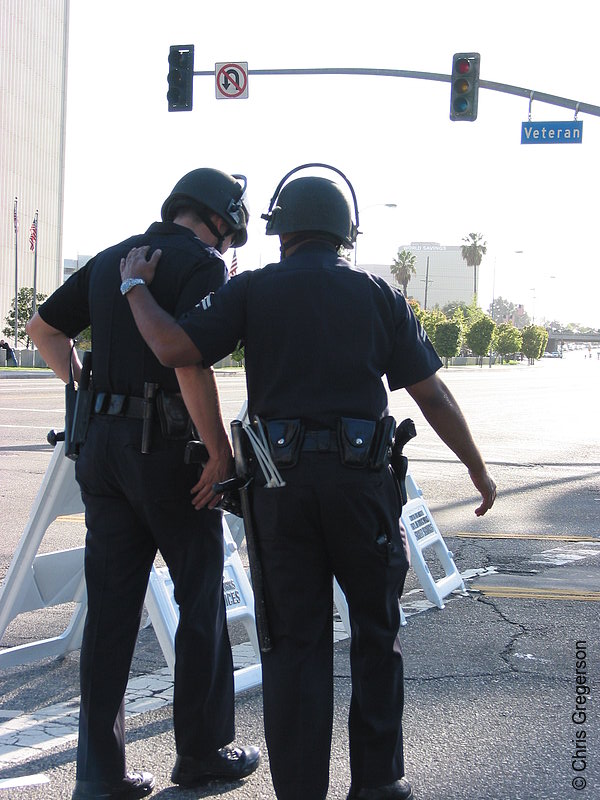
129,283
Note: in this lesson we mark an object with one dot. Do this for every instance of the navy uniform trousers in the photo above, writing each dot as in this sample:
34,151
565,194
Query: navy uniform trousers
134,504
331,520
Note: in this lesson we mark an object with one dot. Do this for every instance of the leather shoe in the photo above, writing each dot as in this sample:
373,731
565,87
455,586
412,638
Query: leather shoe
230,763
134,785
398,790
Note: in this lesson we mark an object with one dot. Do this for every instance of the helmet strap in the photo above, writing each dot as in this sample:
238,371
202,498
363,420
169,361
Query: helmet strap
220,237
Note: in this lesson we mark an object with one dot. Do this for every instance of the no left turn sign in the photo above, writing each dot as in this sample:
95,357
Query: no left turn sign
231,80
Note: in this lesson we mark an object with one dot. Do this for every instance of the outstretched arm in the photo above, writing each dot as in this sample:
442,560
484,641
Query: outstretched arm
167,340
442,412
199,390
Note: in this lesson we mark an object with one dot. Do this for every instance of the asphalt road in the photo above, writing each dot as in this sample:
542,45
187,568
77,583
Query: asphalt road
496,682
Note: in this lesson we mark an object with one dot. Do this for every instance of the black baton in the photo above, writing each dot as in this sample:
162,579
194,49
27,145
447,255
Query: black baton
149,394
243,473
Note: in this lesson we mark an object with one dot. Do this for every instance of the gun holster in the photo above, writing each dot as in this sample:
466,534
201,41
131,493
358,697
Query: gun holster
404,433
175,421
78,408
196,453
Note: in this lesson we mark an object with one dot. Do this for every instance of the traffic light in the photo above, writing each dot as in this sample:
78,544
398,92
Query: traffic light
181,77
464,87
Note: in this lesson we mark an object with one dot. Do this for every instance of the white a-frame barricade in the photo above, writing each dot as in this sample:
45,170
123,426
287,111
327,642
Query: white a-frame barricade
423,533
36,581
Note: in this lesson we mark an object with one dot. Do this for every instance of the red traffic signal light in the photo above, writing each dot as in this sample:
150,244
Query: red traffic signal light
181,77
464,87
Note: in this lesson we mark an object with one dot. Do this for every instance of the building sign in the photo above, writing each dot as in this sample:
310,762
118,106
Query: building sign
552,132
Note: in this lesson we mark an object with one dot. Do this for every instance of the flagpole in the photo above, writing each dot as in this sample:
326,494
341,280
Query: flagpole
34,234
16,221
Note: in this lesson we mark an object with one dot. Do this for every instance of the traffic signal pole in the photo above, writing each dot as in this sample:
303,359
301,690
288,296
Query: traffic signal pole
529,94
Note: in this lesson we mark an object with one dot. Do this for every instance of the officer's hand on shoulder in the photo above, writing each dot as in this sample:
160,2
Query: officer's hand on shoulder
136,265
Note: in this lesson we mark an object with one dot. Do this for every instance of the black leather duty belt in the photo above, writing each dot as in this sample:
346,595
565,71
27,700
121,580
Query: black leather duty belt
321,441
119,405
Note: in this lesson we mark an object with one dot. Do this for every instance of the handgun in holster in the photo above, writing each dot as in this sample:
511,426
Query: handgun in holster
197,453
404,433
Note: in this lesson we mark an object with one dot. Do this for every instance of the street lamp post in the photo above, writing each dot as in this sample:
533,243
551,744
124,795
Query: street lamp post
375,205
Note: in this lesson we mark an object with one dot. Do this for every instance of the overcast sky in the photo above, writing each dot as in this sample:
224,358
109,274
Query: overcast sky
392,137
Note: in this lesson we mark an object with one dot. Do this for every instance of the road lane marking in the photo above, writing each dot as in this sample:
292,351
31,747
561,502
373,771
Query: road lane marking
560,537
535,593
25,780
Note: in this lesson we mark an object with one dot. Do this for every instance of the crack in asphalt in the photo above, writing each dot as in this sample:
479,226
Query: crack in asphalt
510,647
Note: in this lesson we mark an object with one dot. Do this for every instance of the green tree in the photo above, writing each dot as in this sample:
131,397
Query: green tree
501,310
430,320
447,339
25,313
479,337
473,251
473,313
509,339
417,310
453,306
84,339
403,269
534,342
238,354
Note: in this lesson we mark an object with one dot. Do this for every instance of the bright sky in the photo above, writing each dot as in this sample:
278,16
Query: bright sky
392,137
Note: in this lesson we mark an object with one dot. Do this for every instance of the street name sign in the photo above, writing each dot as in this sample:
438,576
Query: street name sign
552,132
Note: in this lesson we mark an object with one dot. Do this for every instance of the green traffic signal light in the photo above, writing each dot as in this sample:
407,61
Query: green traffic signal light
464,88
181,77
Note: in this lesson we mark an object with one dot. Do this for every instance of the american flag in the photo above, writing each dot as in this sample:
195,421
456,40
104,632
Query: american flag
233,268
33,232
16,218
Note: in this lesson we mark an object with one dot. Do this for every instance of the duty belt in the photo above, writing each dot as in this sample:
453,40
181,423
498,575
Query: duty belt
320,441
119,405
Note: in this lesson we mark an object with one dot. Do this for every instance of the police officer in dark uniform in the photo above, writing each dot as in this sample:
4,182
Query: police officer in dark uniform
139,502
319,335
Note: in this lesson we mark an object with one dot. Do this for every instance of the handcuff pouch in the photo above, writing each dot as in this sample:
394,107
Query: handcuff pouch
355,438
285,438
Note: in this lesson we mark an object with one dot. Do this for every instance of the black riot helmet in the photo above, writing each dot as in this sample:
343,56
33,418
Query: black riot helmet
208,190
313,204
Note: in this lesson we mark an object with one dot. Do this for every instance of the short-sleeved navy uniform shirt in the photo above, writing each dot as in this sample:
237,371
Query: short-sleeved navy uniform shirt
122,362
318,336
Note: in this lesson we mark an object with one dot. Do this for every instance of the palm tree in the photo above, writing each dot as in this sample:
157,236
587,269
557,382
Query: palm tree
404,268
473,252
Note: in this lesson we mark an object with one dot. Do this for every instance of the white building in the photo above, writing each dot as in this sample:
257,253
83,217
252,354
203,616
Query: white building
442,275
72,265
33,79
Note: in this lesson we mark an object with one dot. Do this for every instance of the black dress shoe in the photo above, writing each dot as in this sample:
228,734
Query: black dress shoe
230,763
134,784
398,790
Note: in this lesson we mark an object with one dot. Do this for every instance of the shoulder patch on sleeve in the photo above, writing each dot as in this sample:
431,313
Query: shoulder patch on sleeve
206,302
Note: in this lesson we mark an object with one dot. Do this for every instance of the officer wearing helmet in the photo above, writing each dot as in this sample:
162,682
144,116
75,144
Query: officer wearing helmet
319,336
136,489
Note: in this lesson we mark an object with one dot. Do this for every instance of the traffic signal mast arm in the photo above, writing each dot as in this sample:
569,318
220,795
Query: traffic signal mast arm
530,94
